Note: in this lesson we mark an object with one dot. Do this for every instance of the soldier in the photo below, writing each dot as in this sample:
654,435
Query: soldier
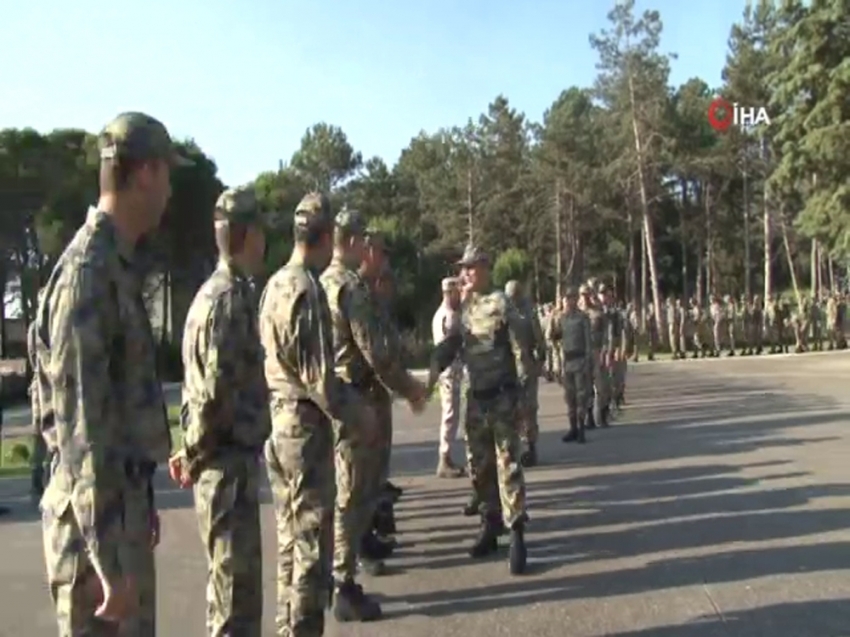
674,327
835,326
554,345
745,312
367,364
614,325
731,317
574,332
699,322
757,322
528,405
717,315
686,329
815,323
225,419
109,426
776,318
447,319
498,360
799,323
653,333
598,402
304,398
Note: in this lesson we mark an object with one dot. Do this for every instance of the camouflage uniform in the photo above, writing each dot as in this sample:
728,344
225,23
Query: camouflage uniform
717,314
686,329
97,377
674,327
554,346
39,446
225,419
816,324
835,325
757,322
699,328
746,318
528,398
498,358
367,364
731,315
574,332
619,365
599,399
304,396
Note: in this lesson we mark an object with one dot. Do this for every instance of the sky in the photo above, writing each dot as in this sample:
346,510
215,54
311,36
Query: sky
246,79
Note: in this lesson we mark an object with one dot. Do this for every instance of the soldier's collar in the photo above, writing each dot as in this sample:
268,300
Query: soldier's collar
97,218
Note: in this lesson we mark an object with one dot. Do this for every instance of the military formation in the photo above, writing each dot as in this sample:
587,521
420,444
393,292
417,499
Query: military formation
300,378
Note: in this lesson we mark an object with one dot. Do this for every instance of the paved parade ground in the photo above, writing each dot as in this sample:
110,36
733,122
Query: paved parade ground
718,505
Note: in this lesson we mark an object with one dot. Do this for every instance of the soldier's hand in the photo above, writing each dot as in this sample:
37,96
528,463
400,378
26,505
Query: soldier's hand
118,600
179,471
465,290
418,397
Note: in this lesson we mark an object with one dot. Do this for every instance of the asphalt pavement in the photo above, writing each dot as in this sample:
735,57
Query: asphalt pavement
717,505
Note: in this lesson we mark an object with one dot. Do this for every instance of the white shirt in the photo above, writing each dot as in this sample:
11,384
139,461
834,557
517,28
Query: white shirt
445,318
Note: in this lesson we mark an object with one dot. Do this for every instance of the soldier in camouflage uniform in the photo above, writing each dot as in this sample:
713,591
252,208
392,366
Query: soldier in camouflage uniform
816,323
717,318
834,321
631,332
618,364
776,320
701,329
800,326
367,363
498,358
672,312
599,400
41,416
757,319
686,330
554,345
574,332
96,373
653,333
225,419
732,315
746,320
304,397
528,405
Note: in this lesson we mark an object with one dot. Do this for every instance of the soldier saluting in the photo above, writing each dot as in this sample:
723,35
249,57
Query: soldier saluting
491,342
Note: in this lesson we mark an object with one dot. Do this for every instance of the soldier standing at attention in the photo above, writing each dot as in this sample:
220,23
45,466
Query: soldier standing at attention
815,321
731,316
528,399
717,315
498,360
674,326
367,364
597,401
574,330
225,419
652,332
97,374
745,312
632,333
304,397
447,319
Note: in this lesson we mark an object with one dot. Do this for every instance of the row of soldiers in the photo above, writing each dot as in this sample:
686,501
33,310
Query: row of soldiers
304,379
745,327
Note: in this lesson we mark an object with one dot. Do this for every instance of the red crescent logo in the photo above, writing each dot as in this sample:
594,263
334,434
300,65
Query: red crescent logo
720,115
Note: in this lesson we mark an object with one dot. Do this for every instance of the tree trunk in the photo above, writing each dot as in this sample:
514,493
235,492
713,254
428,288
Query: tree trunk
831,274
683,242
469,220
644,203
559,248
4,282
793,270
644,280
711,283
768,236
813,265
631,267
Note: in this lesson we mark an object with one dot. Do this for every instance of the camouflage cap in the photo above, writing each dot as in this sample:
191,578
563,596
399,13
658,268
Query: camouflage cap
313,211
584,289
473,255
238,205
351,221
512,288
140,137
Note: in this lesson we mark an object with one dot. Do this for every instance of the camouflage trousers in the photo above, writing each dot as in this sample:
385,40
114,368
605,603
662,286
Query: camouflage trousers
618,378
494,454
575,383
38,463
600,381
528,407
227,504
359,455
300,464
71,578
383,403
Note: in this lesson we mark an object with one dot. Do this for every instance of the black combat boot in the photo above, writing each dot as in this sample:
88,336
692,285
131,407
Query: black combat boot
351,604
590,419
605,416
487,541
384,520
529,457
372,548
572,434
518,553
472,507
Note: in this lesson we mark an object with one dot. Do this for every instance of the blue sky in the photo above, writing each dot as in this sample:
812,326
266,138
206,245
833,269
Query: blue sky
245,79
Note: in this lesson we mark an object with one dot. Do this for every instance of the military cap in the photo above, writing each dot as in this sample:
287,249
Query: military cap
140,137
313,211
449,283
584,289
238,205
512,288
350,221
473,255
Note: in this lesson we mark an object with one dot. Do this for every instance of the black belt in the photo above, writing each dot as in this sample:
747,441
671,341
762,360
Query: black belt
484,395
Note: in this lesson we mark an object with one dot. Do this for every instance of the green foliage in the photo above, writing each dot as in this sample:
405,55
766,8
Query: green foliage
512,264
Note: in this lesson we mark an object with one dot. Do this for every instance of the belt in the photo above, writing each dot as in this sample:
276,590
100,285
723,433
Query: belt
493,392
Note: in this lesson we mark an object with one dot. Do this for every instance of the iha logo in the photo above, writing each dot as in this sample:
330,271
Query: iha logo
722,114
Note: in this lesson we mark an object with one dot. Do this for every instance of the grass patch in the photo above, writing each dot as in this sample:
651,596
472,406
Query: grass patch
17,451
